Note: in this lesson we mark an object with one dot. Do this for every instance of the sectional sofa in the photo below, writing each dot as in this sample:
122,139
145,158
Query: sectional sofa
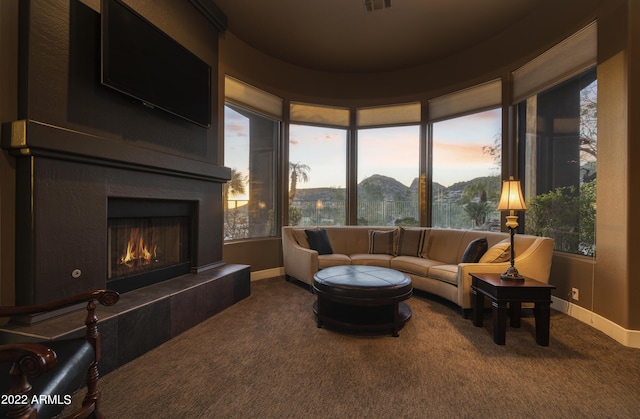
438,261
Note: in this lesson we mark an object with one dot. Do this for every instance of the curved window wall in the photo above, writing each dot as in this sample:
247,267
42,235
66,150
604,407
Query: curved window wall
367,165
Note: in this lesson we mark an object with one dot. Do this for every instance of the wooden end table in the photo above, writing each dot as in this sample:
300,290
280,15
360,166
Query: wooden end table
512,294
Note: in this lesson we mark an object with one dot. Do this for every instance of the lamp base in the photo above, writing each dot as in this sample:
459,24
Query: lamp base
512,274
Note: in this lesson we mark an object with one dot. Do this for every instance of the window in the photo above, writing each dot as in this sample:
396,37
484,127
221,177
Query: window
388,173
466,163
250,196
317,175
558,137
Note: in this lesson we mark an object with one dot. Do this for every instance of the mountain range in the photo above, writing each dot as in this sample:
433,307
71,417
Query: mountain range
380,187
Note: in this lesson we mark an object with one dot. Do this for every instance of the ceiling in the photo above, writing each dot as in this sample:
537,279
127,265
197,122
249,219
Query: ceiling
341,36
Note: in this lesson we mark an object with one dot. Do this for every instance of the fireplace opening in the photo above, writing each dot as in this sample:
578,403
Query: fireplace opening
148,242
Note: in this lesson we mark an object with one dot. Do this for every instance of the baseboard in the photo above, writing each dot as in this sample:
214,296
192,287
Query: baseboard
267,273
626,337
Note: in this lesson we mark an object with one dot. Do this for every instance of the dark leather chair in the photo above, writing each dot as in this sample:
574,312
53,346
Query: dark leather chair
37,379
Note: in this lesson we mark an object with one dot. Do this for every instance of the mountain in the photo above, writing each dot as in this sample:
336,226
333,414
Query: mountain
383,188
380,187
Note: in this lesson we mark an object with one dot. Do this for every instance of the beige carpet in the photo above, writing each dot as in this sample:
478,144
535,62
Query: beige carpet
265,358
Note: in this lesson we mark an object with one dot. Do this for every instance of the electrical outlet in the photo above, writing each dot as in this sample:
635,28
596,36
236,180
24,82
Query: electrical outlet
575,294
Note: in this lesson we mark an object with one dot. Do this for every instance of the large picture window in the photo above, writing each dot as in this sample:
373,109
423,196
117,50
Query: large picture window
250,196
388,173
558,135
466,171
317,175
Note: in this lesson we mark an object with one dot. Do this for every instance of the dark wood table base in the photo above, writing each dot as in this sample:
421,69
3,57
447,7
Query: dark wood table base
506,299
384,318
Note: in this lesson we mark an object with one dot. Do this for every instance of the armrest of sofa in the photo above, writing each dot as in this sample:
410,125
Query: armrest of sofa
54,365
299,262
534,262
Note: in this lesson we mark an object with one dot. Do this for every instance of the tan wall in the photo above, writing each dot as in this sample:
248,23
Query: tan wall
607,285
611,279
262,253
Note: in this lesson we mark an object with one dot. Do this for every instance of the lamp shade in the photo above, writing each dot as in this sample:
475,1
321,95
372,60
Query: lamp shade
511,197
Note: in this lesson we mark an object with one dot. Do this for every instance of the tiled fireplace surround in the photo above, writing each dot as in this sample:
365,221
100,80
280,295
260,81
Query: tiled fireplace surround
61,229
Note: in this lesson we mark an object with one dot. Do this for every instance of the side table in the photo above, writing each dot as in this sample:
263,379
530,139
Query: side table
512,294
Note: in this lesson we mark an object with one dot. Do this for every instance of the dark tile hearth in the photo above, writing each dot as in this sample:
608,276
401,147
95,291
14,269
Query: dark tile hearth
147,317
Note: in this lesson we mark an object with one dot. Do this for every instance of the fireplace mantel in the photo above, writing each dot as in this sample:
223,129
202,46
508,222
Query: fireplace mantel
32,138
64,180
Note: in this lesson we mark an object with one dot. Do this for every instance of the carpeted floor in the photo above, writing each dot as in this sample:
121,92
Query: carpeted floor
265,358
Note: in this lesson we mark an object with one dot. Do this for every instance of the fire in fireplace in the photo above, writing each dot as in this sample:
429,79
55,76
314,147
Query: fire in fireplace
148,241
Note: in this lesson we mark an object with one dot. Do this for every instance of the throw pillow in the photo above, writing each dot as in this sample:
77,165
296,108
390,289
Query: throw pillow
410,241
381,242
500,252
475,250
319,241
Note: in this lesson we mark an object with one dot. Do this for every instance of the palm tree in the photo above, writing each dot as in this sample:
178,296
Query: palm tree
475,199
233,219
234,187
298,171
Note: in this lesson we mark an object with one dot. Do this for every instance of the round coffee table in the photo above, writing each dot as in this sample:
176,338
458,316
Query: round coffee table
362,298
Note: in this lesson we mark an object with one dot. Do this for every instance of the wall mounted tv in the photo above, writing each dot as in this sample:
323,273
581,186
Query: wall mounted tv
140,60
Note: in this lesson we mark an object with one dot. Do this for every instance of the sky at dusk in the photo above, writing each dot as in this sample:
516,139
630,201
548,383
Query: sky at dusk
393,152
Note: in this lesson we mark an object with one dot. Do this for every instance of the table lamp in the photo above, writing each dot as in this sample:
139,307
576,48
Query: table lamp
511,200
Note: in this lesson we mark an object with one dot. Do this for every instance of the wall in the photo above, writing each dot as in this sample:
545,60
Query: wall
74,143
607,287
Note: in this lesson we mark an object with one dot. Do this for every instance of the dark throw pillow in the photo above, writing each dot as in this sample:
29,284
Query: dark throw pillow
319,241
410,241
475,250
381,242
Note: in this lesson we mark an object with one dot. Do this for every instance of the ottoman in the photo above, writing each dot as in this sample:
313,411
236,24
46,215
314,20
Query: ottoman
362,298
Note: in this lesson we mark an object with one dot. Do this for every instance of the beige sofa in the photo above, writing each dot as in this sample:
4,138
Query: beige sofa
436,268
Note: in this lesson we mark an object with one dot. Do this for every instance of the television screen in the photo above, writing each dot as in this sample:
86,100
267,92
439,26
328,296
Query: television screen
141,61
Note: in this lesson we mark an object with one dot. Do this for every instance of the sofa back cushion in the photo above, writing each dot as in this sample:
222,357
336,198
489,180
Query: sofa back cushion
443,245
352,240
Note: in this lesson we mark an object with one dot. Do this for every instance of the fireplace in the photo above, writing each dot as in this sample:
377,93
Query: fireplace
148,241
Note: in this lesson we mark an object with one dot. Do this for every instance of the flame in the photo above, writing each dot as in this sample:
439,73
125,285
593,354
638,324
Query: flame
138,251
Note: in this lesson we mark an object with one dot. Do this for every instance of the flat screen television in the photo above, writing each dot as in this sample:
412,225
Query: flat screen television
140,60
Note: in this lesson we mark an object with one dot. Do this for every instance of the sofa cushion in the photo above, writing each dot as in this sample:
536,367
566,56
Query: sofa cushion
319,241
334,259
413,265
475,250
381,242
500,252
410,241
445,273
444,245
381,260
